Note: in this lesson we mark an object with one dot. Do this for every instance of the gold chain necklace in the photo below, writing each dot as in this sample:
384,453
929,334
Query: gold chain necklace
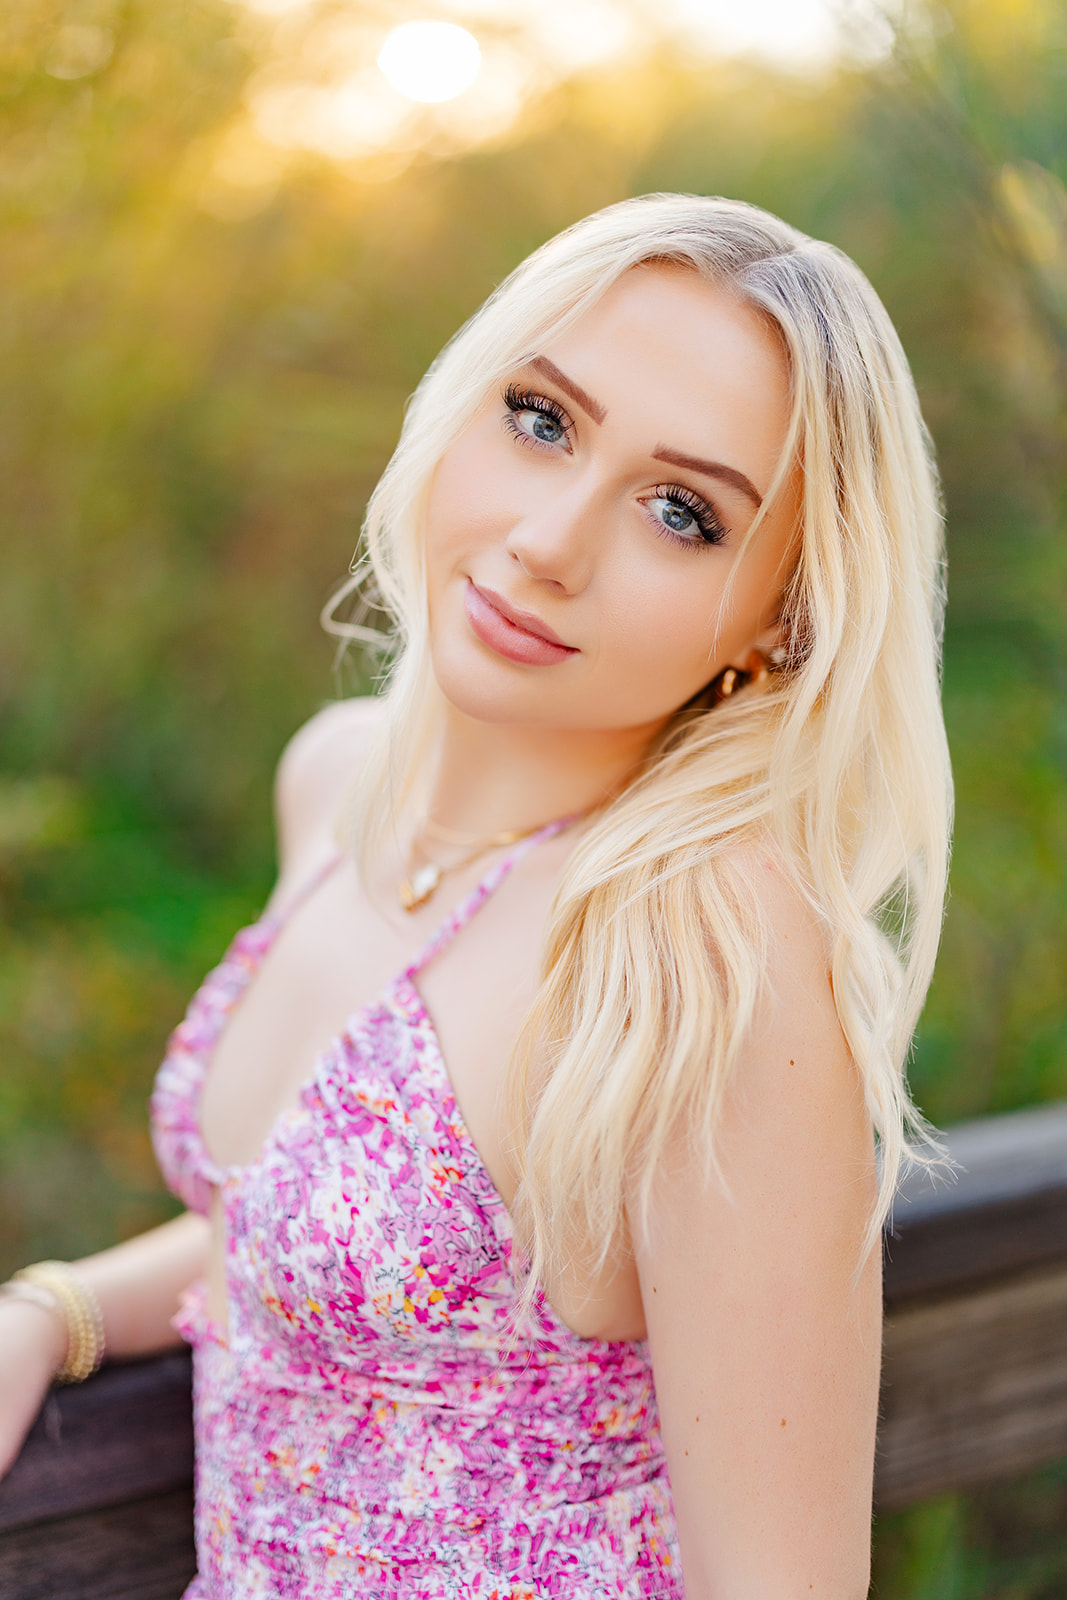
421,883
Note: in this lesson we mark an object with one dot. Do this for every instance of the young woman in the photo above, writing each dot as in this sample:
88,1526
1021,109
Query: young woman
529,1139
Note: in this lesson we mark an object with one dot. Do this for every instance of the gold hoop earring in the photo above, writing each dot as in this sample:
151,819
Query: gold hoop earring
727,682
724,684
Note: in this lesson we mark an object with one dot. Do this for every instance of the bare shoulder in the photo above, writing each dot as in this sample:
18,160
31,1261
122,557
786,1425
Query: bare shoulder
317,768
799,938
795,1095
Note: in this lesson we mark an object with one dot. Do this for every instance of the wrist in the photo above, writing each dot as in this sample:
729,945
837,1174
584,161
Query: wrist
39,1335
58,1291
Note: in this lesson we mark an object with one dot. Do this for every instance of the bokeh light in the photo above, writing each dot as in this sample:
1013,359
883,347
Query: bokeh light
430,61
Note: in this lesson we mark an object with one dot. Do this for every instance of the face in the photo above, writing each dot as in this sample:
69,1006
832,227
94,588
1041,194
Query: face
586,534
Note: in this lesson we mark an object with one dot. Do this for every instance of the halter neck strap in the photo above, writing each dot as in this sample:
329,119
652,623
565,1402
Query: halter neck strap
476,899
276,920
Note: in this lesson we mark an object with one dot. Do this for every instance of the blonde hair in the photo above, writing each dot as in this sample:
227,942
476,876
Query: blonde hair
653,957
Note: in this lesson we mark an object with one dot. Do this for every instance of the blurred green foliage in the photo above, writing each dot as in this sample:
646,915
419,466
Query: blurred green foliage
203,365
1002,1542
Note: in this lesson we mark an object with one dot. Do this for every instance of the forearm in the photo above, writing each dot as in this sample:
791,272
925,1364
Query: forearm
138,1284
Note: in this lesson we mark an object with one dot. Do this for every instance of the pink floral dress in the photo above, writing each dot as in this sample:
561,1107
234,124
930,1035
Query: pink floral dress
371,1426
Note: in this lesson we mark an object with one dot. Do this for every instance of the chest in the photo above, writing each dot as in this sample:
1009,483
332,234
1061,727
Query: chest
368,1220
335,957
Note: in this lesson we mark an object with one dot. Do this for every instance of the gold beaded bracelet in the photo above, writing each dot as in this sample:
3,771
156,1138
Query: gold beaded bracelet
76,1306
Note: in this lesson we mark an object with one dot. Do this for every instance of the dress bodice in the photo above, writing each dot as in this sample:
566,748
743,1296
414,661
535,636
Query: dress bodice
374,1421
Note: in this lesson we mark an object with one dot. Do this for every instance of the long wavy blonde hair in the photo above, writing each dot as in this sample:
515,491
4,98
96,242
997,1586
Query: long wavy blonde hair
653,956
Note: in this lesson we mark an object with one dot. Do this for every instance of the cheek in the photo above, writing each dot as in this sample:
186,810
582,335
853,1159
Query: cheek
447,508
664,628
469,499
675,624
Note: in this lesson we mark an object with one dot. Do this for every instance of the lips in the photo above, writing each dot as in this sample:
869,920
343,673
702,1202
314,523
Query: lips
514,634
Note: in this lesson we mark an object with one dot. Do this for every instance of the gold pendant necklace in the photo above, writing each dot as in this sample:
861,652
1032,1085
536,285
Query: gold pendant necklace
421,883
416,890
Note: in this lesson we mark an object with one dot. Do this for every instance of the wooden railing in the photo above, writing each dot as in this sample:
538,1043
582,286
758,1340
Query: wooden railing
99,1504
974,1382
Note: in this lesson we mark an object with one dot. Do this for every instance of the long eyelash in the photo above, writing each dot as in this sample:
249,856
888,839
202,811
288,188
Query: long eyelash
707,518
517,399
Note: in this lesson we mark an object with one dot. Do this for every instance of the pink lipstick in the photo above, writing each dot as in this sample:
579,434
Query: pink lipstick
516,635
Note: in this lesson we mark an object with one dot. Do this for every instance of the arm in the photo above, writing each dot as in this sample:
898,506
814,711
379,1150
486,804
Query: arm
765,1336
137,1284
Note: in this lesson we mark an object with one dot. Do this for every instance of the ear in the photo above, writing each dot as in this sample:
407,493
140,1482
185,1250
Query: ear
772,641
766,650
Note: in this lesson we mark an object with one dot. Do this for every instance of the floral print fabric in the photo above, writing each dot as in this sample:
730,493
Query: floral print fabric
372,1424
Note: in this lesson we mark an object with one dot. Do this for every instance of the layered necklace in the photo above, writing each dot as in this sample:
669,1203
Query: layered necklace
422,881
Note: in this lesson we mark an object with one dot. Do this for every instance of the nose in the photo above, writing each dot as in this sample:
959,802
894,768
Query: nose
557,540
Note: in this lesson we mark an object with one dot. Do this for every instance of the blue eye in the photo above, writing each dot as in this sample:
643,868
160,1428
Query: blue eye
535,418
547,429
684,517
673,516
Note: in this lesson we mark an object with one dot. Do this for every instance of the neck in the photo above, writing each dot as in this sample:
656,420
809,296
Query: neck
490,777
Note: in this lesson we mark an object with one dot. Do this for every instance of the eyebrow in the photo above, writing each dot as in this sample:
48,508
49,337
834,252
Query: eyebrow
591,407
662,452
710,469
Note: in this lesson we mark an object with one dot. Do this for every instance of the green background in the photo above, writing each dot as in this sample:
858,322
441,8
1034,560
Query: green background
200,379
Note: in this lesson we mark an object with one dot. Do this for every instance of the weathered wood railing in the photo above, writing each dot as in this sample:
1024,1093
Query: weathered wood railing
98,1506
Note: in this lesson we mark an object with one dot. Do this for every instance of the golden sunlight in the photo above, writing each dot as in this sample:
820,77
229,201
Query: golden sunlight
331,78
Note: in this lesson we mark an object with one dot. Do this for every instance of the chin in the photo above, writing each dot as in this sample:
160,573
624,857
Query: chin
482,691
